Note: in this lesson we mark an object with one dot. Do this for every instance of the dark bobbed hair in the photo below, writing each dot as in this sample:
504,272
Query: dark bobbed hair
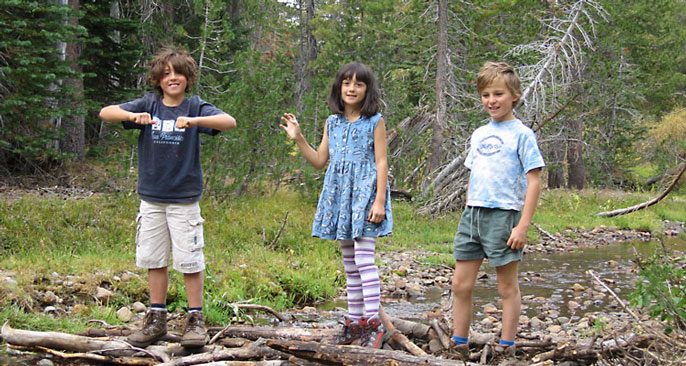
181,61
372,98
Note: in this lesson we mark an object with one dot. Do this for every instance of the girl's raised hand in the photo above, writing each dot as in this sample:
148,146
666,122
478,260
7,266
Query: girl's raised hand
292,127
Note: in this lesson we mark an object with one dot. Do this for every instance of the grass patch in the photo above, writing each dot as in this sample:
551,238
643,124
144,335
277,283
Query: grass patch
72,246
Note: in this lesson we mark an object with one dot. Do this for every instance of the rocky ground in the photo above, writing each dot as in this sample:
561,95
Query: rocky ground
407,276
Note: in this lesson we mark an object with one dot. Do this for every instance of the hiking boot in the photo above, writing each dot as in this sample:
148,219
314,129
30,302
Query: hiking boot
154,328
505,351
194,333
373,333
461,350
349,333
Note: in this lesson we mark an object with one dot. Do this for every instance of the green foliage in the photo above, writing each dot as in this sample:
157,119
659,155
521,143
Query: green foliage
661,288
33,88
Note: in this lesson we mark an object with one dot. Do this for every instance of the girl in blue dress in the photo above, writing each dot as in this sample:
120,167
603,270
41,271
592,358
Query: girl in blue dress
354,206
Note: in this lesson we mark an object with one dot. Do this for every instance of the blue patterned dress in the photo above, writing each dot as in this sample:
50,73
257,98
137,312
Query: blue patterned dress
350,182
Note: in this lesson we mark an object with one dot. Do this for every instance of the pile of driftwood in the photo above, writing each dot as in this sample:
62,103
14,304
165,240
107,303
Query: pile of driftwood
408,343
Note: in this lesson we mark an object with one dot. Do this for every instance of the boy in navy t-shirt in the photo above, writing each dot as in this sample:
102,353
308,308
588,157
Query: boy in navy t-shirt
170,185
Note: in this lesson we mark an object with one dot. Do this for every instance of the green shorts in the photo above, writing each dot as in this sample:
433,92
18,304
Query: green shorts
483,233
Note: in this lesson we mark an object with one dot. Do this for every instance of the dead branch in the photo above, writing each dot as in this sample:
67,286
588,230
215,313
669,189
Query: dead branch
253,352
353,355
57,340
619,300
643,205
129,361
540,229
255,333
273,243
397,336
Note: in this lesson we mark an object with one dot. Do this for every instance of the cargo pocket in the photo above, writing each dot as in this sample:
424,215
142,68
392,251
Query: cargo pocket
195,237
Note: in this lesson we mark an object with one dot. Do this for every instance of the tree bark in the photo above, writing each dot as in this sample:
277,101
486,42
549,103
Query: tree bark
56,340
308,52
439,123
73,139
556,171
577,171
353,355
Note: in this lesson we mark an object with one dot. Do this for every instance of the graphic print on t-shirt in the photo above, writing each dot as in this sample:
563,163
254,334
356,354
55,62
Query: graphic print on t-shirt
165,132
491,145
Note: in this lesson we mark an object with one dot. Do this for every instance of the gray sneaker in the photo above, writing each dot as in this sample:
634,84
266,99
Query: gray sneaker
154,328
194,333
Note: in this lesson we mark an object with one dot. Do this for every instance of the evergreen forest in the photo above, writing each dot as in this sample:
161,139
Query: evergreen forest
604,83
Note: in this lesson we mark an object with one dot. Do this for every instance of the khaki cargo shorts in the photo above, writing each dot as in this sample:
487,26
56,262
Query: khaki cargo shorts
170,227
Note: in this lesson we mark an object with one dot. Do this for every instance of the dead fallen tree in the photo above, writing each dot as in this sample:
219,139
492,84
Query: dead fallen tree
623,211
61,341
353,355
276,346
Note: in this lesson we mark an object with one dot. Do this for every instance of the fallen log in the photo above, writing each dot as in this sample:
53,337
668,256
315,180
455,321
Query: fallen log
253,352
398,337
640,206
255,333
354,355
249,363
126,361
61,341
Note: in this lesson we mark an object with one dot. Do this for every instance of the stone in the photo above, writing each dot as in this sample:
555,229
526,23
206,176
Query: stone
50,298
138,307
45,362
124,314
441,279
103,294
400,283
573,305
577,287
50,310
490,309
79,309
414,290
309,310
554,329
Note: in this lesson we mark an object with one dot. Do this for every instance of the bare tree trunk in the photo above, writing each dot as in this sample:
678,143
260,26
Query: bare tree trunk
73,140
577,171
233,8
439,123
556,173
308,52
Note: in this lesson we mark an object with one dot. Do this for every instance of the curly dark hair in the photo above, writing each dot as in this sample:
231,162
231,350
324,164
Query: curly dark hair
180,60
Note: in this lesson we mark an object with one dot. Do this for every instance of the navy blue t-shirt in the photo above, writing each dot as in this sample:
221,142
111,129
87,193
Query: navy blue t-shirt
169,169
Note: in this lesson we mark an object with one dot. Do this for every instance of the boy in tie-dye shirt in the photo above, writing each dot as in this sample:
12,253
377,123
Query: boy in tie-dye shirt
504,186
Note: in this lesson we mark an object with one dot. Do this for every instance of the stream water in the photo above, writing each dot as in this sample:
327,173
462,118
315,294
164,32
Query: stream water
546,282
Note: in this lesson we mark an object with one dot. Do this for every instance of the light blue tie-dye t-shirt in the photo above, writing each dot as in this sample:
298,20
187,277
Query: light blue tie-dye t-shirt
500,155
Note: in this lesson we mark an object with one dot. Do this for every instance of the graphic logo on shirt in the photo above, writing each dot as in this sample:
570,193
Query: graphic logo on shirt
165,132
490,145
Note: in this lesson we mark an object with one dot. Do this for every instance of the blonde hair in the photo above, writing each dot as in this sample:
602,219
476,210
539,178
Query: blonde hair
492,71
